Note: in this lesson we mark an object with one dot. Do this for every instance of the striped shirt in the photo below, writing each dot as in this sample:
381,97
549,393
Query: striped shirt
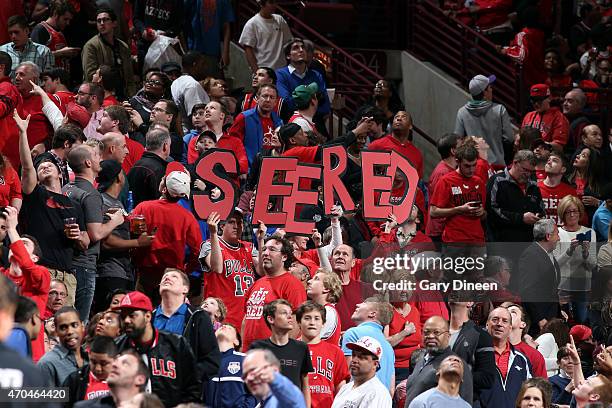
37,53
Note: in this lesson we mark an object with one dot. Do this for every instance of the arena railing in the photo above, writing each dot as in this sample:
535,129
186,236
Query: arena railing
462,52
350,77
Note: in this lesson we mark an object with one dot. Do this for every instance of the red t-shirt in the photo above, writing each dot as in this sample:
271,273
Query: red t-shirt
429,303
264,291
540,174
65,97
535,358
404,349
435,226
176,228
10,186
552,123
11,99
407,150
237,146
236,278
454,190
136,151
96,388
33,283
330,369
352,294
110,100
551,197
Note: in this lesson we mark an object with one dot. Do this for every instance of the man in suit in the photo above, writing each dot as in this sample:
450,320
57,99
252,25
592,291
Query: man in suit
538,278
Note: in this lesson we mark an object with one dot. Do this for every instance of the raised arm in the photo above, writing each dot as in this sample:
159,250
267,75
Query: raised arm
28,173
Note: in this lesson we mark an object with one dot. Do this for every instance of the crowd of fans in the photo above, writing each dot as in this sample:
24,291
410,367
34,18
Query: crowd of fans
118,293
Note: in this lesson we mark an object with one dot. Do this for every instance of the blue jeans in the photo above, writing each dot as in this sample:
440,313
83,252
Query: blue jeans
86,285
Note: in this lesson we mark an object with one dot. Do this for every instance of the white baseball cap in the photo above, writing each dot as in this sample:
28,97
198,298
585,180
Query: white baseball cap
367,344
178,184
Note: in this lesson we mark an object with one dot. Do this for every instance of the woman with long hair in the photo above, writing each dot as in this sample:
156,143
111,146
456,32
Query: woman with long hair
534,393
554,335
586,176
215,88
576,254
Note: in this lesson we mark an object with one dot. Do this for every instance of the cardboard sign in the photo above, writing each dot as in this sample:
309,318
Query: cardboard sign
287,180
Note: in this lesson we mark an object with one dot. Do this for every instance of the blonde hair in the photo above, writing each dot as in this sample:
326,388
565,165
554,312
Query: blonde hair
331,282
564,205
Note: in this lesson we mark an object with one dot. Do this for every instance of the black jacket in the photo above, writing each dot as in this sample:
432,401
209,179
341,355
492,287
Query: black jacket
145,176
506,204
538,282
200,334
102,402
475,347
77,383
171,367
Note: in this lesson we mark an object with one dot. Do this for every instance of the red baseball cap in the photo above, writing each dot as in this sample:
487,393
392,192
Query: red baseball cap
135,301
539,91
78,115
175,166
580,332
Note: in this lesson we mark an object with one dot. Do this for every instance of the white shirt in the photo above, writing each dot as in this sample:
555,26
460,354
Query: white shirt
187,92
370,394
266,36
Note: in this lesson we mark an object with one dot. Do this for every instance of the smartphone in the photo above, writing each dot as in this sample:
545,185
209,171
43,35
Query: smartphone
476,204
584,237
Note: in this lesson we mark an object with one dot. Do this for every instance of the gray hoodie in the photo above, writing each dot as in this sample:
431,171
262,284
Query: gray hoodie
488,120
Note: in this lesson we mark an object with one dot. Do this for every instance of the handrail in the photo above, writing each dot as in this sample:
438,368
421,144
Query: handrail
351,77
462,52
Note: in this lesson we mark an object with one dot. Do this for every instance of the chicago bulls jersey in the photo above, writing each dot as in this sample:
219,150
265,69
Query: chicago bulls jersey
96,388
57,41
551,196
330,369
236,278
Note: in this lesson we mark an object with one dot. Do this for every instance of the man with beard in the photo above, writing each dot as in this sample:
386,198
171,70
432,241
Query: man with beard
228,264
176,315
436,338
553,188
89,382
365,389
446,394
170,358
276,283
67,357
541,150
512,367
128,377
91,96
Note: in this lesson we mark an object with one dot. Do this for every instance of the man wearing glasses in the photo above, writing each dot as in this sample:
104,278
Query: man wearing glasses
514,201
436,338
105,49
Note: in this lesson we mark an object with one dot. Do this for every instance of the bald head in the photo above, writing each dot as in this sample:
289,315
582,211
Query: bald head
115,147
438,321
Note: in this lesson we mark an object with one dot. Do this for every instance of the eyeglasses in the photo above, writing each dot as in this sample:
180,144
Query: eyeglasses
160,110
103,20
569,212
55,293
154,82
81,93
435,333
